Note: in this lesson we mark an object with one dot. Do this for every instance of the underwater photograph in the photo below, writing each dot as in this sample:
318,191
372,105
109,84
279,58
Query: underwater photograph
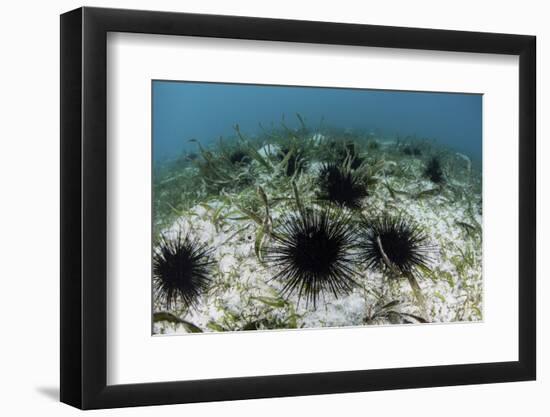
290,207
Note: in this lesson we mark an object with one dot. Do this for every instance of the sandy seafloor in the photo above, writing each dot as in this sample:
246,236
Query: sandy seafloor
245,297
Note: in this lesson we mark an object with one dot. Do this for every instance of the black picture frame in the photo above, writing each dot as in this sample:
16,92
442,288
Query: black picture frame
84,207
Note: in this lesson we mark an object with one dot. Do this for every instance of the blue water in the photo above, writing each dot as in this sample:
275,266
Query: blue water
206,111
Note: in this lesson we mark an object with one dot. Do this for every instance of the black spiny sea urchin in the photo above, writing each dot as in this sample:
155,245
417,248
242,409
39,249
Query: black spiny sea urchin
394,242
433,171
239,156
295,161
181,270
314,252
341,186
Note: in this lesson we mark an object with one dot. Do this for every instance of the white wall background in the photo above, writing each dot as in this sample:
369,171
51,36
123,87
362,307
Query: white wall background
29,225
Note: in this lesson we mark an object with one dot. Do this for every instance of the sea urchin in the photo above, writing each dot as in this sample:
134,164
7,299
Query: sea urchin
239,156
314,251
341,186
295,161
181,270
395,243
433,171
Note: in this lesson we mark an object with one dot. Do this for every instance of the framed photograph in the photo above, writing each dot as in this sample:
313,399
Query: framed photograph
258,208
